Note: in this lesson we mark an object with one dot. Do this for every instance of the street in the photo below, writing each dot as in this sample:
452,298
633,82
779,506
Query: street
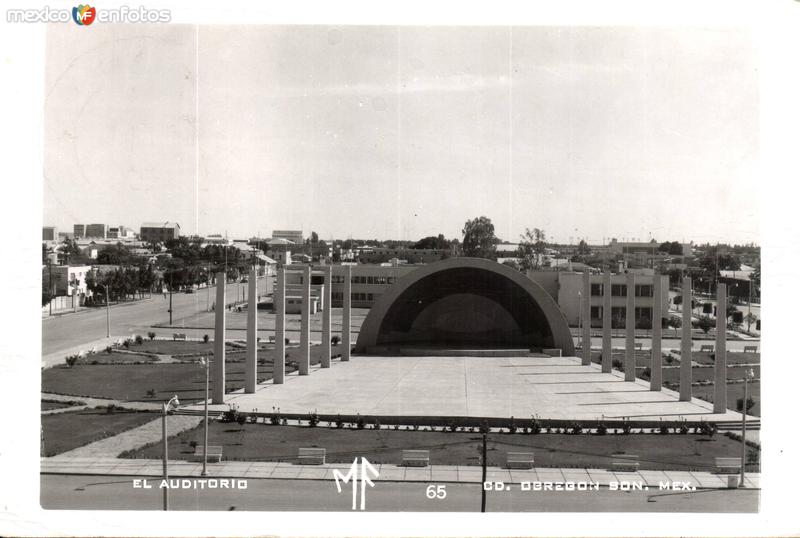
118,493
68,331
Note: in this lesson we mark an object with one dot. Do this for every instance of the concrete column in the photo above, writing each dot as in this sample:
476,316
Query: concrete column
655,355
686,342
346,313
630,327
218,394
305,322
605,364
326,318
250,377
721,353
586,315
279,305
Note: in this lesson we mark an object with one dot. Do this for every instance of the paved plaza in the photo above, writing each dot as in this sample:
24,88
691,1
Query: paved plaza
500,387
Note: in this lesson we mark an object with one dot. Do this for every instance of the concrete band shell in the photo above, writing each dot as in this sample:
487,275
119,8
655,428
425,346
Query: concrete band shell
369,336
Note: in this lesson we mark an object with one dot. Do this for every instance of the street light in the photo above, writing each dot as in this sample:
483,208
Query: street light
166,407
206,362
747,376
108,314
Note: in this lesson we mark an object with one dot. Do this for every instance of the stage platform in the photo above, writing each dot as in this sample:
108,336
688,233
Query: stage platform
486,387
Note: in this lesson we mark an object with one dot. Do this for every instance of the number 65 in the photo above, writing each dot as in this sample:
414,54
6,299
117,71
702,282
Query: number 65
436,492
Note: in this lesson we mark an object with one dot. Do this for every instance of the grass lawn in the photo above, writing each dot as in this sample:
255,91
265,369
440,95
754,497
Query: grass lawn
280,443
49,405
732,357
131,382
64,431
735,391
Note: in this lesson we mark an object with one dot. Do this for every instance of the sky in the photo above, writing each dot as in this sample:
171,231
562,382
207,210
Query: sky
404,132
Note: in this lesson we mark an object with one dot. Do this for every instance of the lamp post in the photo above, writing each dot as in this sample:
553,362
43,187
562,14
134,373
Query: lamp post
166,407
747,376
207,363
108,314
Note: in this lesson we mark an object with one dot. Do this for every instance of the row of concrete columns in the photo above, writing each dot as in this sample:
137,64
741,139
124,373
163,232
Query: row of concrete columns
279,301
656,378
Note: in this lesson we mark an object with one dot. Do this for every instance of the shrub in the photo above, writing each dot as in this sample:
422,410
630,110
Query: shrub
335,339
110,408
71,360
205,338
109,349
275,416
707,428
663,430
139,339
313,419
151,393
451,426
484,427
231,415
684,429
512,428
626,427
645,374
126,343
360,422
339,422
750,403
151,335
601,429
241,418
286,341
575,428
616,363
193,444
377,424
535,425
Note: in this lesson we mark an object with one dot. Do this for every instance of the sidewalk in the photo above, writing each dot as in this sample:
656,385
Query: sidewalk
387,472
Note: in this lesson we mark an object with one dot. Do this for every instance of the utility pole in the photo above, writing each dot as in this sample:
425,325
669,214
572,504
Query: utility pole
108,315
483,475
170,297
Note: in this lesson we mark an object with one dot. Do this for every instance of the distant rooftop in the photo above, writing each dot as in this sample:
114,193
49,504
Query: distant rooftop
161,225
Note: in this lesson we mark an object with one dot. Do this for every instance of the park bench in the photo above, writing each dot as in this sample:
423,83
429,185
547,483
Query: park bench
311,456
728,465
213,454
178,336
707,348
751,349
519,460
416,458
637,346
625,462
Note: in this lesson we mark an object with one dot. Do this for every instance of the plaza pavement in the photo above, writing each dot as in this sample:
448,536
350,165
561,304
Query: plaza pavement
387,472
501,387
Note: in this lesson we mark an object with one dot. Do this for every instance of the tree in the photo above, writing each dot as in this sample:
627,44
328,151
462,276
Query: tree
705,324
671,247
750,318
70,249
675,323
431,242
531,249
479,238
583,248
314,238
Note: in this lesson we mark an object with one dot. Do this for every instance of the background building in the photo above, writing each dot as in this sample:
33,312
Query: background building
79,231
159,232
569,290
295,236
99,231
49,233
